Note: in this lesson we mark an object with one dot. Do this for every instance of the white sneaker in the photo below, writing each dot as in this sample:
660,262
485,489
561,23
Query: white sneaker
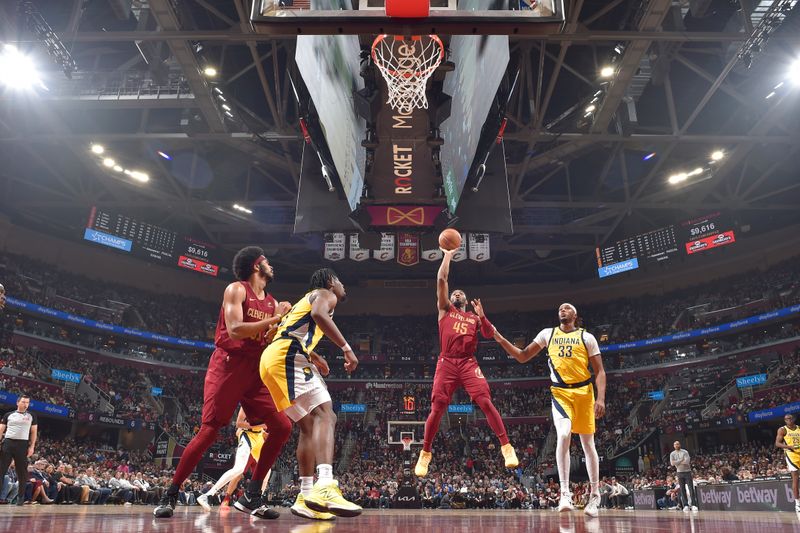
592,506
797,507
694,508
565,503
686,509
202,501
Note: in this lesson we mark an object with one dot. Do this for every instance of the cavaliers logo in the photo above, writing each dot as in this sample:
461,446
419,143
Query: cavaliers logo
479,373
308,373
398,217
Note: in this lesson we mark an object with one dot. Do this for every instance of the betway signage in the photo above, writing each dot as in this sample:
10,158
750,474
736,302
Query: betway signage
752,496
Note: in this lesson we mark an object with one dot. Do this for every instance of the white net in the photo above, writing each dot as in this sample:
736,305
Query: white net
406,64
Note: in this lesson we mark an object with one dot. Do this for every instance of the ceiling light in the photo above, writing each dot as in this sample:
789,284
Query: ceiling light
98,149
210,72
17,71
221,97
677,178
717,155
226,107
140,176
218,90
794,72
164,155
606,72
118,168
108,162
770,95
242,209
229,114
649,156
591,108
696,172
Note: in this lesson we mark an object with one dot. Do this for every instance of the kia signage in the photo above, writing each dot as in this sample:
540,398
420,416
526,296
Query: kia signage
751,381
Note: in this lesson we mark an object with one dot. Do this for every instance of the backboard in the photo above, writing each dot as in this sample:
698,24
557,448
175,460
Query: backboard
447,17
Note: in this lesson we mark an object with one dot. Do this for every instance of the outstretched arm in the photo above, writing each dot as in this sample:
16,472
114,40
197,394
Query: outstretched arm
521,355
442,289
487,329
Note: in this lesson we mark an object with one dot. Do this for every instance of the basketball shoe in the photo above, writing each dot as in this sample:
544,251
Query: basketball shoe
565,503
327,498
421,470
301,509
509,455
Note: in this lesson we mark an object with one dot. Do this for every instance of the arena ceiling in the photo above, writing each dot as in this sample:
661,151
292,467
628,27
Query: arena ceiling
575,183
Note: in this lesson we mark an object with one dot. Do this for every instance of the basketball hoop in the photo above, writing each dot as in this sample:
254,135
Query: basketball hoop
406,64
406,443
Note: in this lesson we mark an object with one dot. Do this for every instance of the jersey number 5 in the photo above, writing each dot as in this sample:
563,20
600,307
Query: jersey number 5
460,327
565,351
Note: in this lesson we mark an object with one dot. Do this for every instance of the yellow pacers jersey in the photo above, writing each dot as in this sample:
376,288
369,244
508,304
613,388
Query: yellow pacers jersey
568,358
299,325
255,438
792,438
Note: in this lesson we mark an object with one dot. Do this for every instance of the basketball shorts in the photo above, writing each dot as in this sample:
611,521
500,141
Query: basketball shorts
293,381
577,405
454,372
232,379
793,462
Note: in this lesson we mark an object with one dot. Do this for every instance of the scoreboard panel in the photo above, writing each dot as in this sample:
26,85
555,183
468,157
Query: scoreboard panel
151,242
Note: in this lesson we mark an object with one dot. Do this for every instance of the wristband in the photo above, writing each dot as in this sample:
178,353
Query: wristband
346,348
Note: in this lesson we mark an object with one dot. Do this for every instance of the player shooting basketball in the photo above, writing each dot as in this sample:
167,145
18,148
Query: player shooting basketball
570,351
457,366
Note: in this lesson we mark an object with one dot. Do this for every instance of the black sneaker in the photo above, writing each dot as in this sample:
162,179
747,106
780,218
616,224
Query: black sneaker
166,506
248,503
266,512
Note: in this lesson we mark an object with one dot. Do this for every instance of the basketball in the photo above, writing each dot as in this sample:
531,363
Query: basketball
449,239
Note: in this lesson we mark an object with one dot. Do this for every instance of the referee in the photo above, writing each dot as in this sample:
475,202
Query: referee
18,429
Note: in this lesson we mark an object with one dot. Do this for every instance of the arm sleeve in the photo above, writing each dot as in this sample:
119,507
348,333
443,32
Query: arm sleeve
591,344
487,329
543,337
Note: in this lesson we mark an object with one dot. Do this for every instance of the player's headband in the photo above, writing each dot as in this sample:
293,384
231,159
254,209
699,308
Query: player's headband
258,261
572,306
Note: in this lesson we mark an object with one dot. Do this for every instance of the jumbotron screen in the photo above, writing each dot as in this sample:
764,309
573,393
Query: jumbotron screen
693,236
150,242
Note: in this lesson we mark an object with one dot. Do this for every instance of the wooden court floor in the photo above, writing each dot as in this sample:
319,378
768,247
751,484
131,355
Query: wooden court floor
139,519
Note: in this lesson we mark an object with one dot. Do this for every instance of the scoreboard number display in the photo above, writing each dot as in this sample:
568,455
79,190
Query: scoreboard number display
150,242
691,236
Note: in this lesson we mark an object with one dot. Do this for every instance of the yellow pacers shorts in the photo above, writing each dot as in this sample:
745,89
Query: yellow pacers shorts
577,405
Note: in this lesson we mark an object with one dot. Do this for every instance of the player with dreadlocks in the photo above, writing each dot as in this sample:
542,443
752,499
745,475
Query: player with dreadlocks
292,372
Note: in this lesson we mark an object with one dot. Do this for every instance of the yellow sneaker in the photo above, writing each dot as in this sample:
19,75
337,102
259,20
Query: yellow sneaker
301,509
328,498
421,470
509,455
